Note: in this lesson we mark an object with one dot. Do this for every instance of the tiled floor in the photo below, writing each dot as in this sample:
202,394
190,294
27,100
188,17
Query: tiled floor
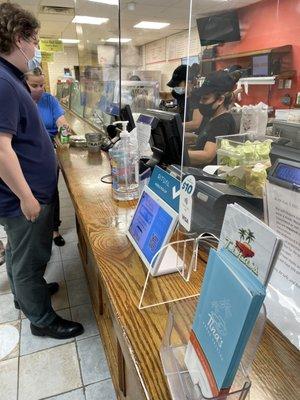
41,368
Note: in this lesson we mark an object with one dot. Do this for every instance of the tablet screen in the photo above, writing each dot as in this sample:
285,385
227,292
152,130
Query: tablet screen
149,226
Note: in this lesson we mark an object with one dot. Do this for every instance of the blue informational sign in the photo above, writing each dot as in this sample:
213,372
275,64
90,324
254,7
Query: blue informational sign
166,187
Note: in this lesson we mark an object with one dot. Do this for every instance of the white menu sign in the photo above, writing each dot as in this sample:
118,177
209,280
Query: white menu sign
283,299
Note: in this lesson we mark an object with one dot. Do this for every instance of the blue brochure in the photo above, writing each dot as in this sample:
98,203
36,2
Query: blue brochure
230,301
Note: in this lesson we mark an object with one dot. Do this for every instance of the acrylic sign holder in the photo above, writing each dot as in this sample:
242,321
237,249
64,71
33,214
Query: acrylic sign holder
156,292
173,349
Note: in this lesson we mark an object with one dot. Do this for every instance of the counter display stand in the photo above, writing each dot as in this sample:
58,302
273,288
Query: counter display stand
180,320
173,349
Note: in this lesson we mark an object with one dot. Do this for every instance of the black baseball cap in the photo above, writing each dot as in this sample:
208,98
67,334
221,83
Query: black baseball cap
178,76
216,82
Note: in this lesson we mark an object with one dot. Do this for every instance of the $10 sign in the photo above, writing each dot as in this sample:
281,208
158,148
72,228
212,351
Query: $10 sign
186,201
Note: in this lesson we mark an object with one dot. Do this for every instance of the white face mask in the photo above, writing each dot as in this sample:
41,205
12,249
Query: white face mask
179,90
35,61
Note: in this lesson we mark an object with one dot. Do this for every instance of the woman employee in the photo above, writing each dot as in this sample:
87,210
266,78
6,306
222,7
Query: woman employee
53,117
179,85
215,97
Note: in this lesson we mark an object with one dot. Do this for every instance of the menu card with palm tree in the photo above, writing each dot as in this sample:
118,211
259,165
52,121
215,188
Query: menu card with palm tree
253,242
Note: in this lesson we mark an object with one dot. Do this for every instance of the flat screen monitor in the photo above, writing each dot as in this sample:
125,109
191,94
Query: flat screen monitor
220,28
151,228
167,137
261,65
113,110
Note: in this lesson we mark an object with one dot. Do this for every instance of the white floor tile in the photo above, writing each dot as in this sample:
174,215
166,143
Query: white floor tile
73,269
74,395
69,251
49,373
101,391
78,292
2,232
7,308
4,283
92,360
67,212
60,299
85,315
55,256
9,341
69,234
54,272
67,222
31,344
9,379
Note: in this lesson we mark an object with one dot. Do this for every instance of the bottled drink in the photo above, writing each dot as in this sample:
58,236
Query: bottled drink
64,135
124,160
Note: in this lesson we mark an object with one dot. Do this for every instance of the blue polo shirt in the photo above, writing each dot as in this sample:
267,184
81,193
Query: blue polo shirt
50,110
19,117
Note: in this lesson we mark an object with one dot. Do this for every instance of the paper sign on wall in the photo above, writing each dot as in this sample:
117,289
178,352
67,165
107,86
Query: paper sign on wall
51,45
47,56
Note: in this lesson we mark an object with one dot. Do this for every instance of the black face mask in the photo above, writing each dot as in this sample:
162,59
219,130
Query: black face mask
207,109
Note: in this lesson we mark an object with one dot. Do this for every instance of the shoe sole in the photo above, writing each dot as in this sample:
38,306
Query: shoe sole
37,332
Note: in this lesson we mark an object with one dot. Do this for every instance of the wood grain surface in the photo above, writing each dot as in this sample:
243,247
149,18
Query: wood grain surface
276,369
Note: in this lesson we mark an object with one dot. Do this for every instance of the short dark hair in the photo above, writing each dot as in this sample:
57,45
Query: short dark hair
14,20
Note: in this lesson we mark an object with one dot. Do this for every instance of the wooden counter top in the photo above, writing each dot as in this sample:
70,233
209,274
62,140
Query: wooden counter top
276,369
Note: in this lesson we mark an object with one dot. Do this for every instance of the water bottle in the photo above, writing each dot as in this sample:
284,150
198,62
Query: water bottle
124,159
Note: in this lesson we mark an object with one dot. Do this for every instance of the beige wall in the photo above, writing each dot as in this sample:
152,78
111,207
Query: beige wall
66,59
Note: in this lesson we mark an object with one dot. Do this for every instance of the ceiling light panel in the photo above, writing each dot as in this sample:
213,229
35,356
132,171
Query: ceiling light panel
81,19
70,41
109,2
116,40
151,25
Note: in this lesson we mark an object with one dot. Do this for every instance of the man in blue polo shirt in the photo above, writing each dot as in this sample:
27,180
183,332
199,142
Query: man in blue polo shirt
27,178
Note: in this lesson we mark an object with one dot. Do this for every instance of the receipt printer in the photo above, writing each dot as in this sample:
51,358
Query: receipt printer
210,200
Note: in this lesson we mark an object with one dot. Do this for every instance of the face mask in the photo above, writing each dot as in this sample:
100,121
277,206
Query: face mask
207,109
179,90
35,61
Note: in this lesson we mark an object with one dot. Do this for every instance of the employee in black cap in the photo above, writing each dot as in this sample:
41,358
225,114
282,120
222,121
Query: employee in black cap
182,91
214,97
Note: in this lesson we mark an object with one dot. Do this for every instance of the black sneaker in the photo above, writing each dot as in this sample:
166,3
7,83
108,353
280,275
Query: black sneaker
59,329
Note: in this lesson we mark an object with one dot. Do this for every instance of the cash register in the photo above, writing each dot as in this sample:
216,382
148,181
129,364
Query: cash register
211,197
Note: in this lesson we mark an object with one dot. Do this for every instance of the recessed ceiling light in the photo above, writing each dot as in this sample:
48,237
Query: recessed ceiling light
116,40
70,41
109,2
81,19
151,25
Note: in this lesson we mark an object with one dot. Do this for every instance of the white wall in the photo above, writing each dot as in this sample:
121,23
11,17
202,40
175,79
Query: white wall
66,59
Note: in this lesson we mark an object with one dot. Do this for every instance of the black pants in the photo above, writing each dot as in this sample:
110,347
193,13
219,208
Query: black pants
28,250
56,215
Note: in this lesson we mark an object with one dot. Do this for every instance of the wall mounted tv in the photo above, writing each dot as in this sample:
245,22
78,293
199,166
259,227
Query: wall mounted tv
219,28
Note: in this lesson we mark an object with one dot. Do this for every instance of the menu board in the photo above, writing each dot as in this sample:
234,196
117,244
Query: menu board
178,45
156,51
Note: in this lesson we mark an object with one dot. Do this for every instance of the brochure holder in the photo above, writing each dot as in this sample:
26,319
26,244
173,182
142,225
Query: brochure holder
173,349
183,256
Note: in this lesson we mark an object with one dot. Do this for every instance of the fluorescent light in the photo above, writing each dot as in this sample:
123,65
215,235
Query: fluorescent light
116,40
109,2
81,19
70,41
151,25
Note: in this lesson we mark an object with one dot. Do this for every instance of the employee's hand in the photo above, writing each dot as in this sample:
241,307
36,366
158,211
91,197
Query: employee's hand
30,207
